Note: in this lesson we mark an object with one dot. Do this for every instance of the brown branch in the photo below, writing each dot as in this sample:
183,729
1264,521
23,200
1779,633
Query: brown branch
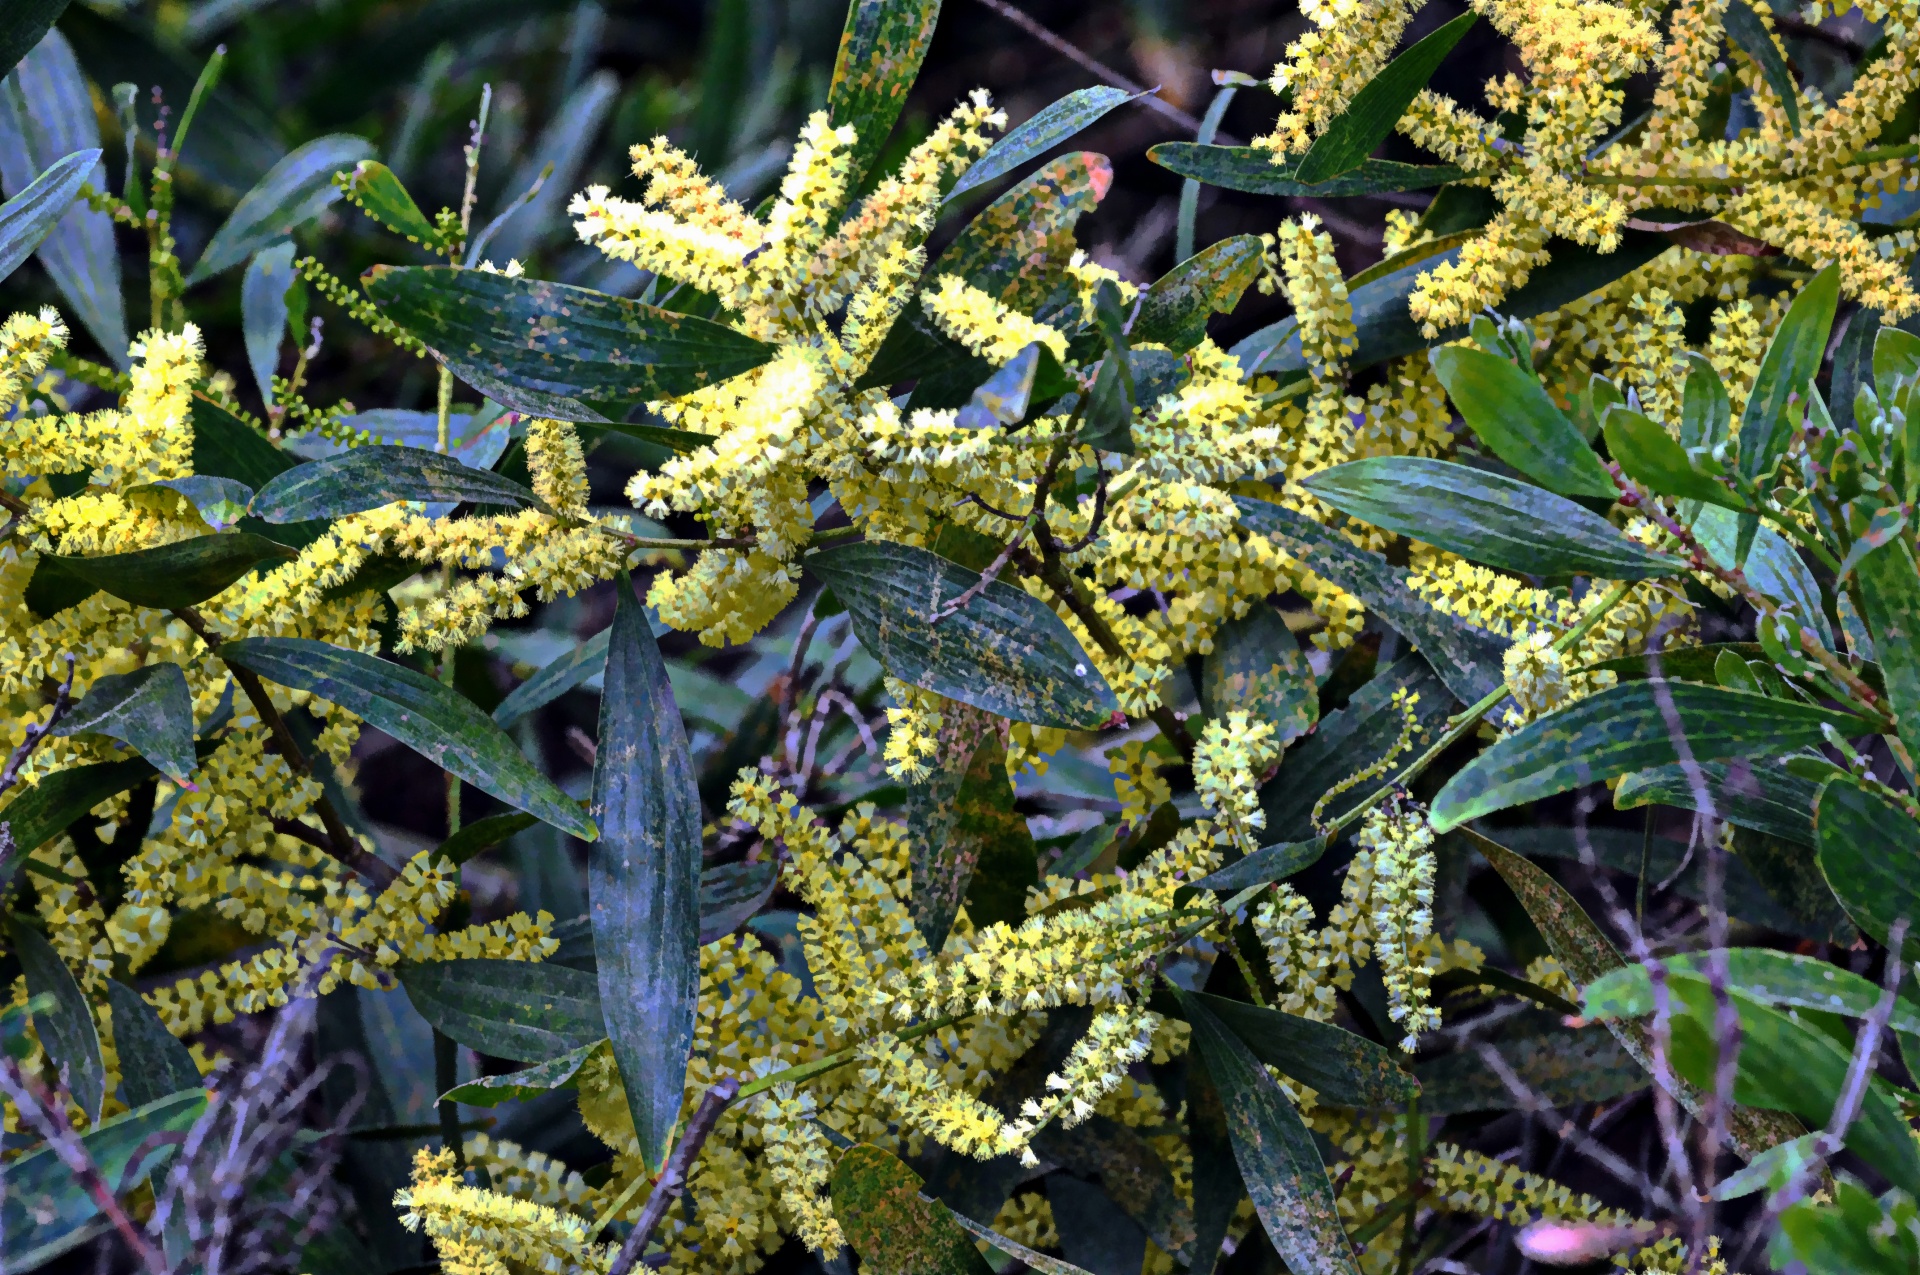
341,843
673,1176
1079,57
62,705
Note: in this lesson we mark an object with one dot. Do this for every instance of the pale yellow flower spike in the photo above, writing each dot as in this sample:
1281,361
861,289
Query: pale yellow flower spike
981,323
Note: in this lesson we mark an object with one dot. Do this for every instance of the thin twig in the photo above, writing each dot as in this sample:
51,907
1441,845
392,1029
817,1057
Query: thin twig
62,705
40,1109
673,1176
1078,56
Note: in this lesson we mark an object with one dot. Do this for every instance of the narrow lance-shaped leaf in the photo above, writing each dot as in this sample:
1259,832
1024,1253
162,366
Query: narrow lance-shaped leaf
220,502
1051,125
1792,979
1004,652
552,349
439,724
366,478
554,680
1626,728
1706,414
1282,1169
1791,362
1351,135
1746,30
177,574
643,877
46,112
29,217
1347,1070
1250,169
38,814
880,54
149,710
1870,853
1509,410
263,313
1649,455
523,1010
153,1064
1586,954
1467,659
557,1073
962,809
1773,565
67,1030
1487,517
294,191
1890,597
895,1229
1174,311
1763,796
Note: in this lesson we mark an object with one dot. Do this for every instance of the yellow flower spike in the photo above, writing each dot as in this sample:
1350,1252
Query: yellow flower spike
981,323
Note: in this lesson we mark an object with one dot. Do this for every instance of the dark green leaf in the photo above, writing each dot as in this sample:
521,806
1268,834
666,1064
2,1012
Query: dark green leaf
1650,456
554,680
1051,125
643,877
895,1229
880,54
1895,354
1772,978
522,1010
1852,365
1789,872
66,1031
1855,1234
382,197
149,710
1625,728
1216,1178
1890,597
1268,863
1282,1169
153,1065
1094,1231
1750,34
1174,311
1134,1177
1042,1262
1784,1065
23,25
1487,517
1256,666
30,216
434,721
730,893
380,573
962,808
178,574
551,349
52,590
1763,796
1385,329
42,812
480,835
44,1212
1773,566
1004,652
558,1073
1468,659
1787,370
1586,954
1108,424
224,446
1352,135
1261,172
1511,413
1565,1069
294,191
366,478
1870,853
1018,246
1347,1070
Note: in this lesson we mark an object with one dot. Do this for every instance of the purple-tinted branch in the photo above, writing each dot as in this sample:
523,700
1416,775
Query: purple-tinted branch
673,1176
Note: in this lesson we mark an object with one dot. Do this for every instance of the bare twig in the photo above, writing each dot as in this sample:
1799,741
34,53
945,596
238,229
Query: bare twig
673,1176
41,1110
62,705
1086,61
